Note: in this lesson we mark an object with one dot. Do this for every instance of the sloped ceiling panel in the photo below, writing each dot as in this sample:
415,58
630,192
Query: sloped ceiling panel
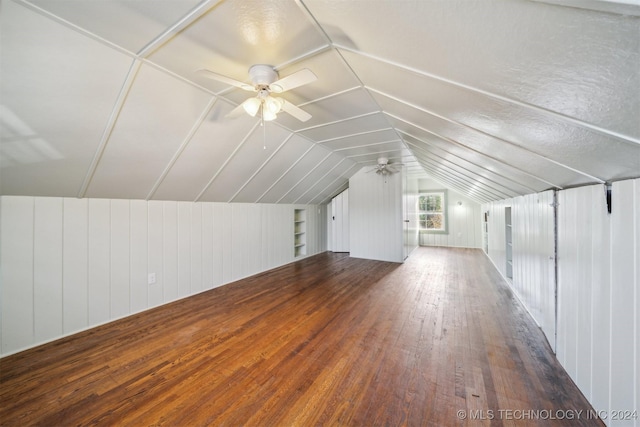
213,142
240,166
54,107
308,161
286,155
156,117
491,98
538,132
558,58
127,24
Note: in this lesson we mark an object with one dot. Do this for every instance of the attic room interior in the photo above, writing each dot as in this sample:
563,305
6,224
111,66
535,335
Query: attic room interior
320,212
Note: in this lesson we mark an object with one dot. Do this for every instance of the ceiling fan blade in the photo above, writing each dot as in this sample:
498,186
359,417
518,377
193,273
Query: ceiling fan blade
292,81
224,79
391,169
296,112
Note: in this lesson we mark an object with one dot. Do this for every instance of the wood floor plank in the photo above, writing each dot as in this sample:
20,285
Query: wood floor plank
329,340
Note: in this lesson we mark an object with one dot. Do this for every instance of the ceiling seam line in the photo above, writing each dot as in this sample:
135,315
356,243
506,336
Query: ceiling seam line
453,183
359,116
376,153
191,16
182,147
111,123
483,155
318,181
366,145
304,56
247,136
334,192
344,61
487,188
314,21
430,154
556,114
373,100
513,144
331,184
74,27
284,141
332,95
462,184
305,176
478,166
286,172
351,135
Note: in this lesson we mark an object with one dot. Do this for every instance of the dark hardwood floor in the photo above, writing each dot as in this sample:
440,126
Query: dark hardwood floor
330,340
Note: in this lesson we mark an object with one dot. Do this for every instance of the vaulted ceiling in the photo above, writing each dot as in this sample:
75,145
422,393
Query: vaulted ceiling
491,98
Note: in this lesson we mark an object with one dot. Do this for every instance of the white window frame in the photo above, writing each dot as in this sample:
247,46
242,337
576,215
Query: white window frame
443,213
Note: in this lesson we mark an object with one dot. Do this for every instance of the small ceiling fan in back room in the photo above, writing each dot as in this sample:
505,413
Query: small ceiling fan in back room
385,168
265,81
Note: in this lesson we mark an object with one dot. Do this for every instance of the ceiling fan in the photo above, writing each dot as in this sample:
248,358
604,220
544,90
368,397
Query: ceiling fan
265,81
384,167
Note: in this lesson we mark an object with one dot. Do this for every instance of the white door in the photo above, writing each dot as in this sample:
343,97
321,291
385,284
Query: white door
339,230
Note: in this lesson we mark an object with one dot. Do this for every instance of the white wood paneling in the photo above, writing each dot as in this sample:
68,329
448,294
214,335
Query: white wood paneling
120,259
219,247
47,268
533,253
17,272
155,259
207,246
139,253
625,256
71,264
74,264
99,292
375,216
497,240
534,257
170,250
598,257
196,248
184,248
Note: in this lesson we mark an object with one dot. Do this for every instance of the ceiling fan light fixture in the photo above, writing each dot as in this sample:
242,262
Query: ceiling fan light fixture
251,106
273,105
268,115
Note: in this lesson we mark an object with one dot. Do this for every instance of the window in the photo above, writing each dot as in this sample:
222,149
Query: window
432,211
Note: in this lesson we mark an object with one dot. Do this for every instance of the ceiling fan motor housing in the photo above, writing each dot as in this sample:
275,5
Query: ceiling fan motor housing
262,75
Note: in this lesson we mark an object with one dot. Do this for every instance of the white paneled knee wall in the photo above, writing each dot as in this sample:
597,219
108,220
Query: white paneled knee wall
71,264
598,286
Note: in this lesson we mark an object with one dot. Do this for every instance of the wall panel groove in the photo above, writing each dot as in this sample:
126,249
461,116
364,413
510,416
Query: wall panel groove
598,331
70,264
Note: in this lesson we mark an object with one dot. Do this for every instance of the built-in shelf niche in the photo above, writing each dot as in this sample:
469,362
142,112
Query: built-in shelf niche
300,232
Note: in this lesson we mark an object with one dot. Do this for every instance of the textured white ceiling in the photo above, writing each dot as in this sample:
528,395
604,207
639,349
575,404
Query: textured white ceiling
492,98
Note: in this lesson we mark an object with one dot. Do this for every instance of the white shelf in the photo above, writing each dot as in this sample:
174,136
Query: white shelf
299,232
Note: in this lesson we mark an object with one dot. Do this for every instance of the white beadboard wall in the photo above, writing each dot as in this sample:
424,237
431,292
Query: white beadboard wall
465,221
375,216
533,231
533,253
598,326
599,295
71,264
